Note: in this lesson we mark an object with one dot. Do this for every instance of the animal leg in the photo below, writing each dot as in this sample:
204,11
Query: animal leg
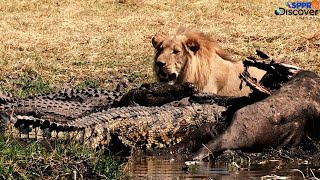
233,138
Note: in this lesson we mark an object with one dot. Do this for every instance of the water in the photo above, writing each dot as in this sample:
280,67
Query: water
160,167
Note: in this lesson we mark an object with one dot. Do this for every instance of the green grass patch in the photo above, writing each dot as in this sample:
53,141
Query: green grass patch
40,160
88,83
29,85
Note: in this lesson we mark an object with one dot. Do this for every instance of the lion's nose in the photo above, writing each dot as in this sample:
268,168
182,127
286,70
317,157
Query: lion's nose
172,76
160,64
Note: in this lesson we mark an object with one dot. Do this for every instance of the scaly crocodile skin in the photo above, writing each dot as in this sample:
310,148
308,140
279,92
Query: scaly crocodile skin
6,98
58,111
98,97
145,126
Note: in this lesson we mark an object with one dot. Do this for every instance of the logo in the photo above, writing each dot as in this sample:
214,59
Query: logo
315,4
310,8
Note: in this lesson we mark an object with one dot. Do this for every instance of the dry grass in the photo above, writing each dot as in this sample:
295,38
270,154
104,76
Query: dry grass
68,43
47,45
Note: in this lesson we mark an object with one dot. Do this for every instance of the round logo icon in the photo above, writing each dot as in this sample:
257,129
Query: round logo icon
277,12
315,4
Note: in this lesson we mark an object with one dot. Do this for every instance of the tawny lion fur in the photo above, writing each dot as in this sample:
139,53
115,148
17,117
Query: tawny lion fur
196,58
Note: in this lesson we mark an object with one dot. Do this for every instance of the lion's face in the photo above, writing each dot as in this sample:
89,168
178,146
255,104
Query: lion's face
172,53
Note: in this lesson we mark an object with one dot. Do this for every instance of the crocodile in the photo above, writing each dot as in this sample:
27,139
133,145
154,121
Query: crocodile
147,127
54,110
37,117
72,103
168,124
157,94
6,97
60,106
97,97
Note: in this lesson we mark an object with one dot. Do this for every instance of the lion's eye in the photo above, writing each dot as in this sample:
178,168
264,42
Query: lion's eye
175,51
160,49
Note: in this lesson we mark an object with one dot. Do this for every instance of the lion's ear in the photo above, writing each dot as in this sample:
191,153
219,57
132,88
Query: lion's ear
157,40
193,46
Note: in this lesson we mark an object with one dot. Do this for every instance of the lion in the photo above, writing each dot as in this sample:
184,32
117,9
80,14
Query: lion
193,57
